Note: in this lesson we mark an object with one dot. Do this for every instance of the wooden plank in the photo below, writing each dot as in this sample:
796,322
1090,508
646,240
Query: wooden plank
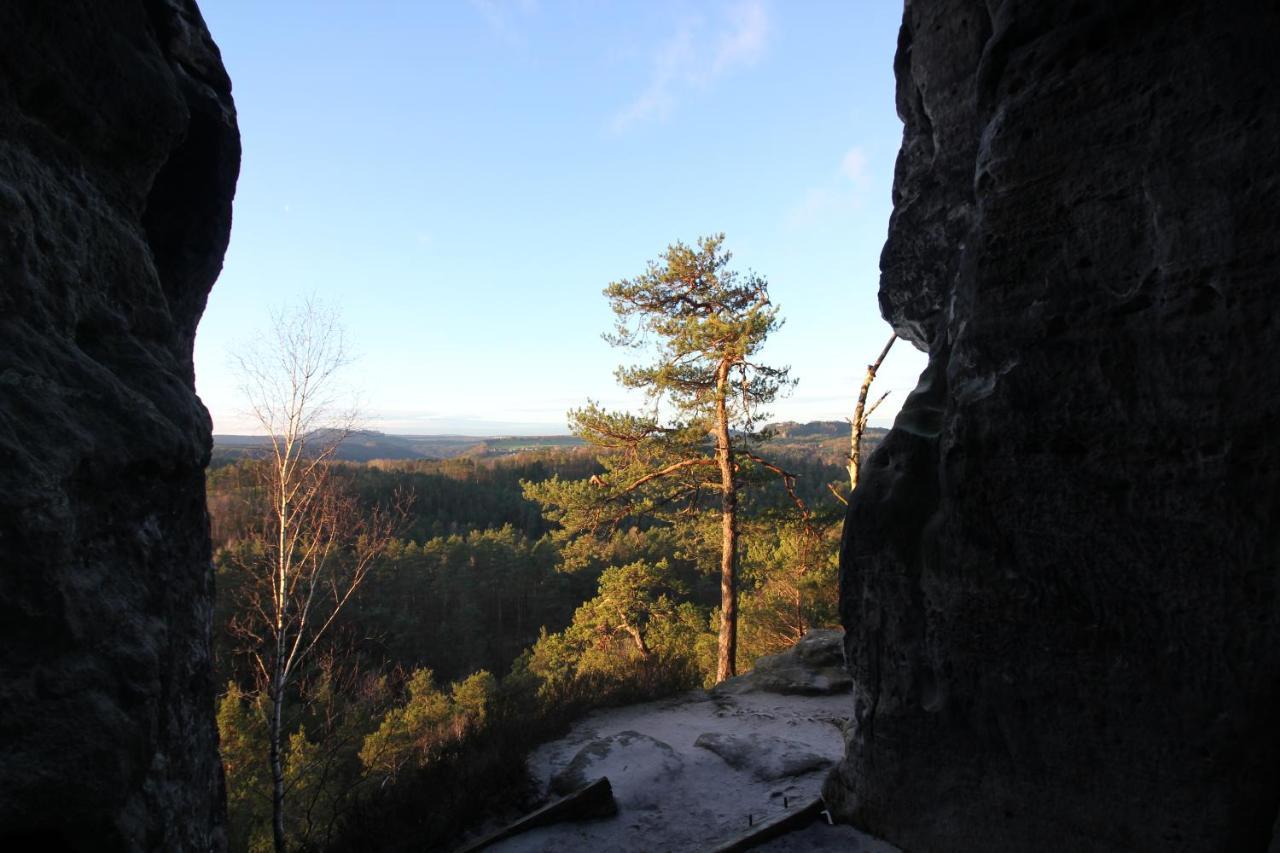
591,801
781,825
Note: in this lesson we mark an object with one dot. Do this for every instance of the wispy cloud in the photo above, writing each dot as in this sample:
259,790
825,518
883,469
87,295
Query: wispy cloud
681,63
505,17
742,42
844,193
854,166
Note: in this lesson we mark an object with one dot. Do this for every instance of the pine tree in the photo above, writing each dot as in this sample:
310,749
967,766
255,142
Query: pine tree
704,324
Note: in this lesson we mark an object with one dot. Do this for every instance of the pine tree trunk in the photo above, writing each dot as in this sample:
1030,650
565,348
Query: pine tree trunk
637,638
726,665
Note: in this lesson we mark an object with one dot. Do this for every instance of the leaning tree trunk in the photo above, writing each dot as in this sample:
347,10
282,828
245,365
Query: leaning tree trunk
637,638
860,414
726,665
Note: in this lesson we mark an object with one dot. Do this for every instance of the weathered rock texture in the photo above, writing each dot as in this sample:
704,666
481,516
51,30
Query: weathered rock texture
1060,572
812,667
118,159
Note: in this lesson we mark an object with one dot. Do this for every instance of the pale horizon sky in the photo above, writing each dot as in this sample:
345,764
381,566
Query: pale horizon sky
461,180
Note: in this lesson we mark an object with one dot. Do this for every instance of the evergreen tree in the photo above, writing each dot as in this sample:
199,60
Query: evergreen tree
704,325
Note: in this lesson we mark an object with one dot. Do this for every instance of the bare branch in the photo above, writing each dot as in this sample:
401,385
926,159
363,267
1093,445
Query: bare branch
663,472
859,422
788,483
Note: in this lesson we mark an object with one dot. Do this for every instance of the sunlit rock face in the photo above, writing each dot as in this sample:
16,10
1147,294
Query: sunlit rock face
118,159
1060,571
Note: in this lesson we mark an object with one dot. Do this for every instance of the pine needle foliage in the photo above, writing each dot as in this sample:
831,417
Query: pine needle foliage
702,325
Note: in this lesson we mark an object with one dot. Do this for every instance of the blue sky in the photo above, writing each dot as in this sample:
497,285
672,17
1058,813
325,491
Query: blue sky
462,179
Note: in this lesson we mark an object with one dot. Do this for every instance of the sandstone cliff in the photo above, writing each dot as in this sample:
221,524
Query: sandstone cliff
118,159
1060,572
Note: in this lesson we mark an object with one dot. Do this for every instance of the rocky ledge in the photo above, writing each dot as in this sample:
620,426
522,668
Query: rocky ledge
697,770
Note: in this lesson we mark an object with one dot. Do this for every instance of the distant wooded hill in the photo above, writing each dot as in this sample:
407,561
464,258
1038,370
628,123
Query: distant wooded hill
366,445
827,441
823,441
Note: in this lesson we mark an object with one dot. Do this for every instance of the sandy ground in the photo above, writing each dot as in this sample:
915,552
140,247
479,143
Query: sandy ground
675,796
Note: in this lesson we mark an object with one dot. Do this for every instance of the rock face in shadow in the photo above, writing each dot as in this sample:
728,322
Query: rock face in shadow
1060,571
118,159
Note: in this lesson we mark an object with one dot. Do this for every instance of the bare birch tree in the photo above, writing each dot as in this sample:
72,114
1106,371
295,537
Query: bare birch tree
316,545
